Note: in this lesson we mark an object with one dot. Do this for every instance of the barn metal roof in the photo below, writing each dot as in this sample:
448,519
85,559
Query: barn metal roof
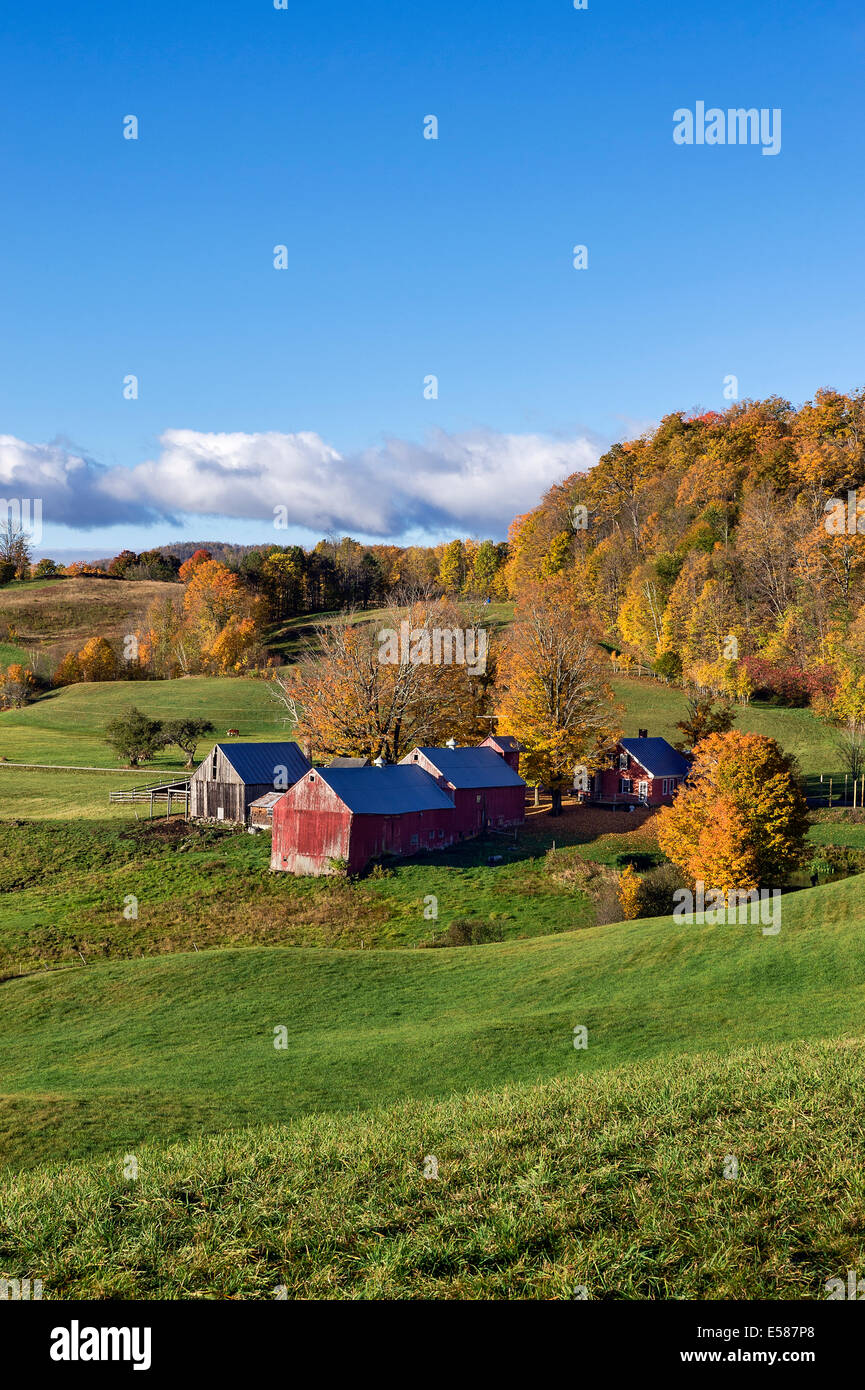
260,763
349,762
269,800
470,767
657,756
387,791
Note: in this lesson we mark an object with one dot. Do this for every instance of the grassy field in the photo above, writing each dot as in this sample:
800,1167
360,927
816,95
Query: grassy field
297,638
67,726
63,886
107,1055
609,1186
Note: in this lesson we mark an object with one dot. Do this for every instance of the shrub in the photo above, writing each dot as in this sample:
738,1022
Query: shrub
657,888
465,932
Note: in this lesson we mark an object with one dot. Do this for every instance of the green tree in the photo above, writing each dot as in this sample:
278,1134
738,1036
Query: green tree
185,734
134,736
701,720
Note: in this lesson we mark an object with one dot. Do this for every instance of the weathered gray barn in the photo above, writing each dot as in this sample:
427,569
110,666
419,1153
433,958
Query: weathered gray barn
233,775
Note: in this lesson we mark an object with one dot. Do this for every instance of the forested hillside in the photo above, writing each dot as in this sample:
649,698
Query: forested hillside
722,548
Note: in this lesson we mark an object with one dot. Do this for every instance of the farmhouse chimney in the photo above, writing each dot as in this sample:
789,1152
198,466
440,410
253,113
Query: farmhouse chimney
642,733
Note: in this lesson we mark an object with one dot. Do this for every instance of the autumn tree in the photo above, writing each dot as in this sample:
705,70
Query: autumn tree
377,689
452,567
550,687
15,547
17,685
97,661
629,893
188,568
740,819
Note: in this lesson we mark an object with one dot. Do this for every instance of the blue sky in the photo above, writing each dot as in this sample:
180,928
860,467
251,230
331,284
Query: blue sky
407,257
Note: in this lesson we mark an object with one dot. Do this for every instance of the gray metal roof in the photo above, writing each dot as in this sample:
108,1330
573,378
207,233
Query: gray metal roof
269,800
657,756
262,764
387,791
349,762
470,767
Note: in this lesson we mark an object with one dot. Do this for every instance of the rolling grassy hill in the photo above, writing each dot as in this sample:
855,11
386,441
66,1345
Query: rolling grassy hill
103,1057
615,1185
53,616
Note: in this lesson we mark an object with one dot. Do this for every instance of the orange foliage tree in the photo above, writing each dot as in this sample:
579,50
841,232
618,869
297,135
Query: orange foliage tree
359,695
739,821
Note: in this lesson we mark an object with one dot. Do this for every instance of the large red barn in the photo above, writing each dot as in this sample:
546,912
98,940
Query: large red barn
347,816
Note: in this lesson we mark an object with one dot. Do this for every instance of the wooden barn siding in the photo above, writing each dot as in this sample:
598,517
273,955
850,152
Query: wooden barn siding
498,808
227,791
310,827
372,836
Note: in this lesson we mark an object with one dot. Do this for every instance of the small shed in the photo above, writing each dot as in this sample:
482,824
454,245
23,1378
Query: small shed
233,775
351,815
486,791
261,811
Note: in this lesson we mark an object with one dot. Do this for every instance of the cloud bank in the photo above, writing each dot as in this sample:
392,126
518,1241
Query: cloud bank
474,482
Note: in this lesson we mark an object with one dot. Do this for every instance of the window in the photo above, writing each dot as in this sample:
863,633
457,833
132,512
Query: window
623,760
479,801
664,786
625,785
414,841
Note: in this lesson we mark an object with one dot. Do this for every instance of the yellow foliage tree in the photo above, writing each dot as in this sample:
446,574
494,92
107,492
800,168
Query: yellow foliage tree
551,691
629,893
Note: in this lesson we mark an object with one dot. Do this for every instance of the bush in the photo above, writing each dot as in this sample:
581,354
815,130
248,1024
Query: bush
464,932
657,888
786,685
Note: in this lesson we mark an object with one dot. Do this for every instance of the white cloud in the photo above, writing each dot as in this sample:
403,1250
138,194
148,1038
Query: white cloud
474,482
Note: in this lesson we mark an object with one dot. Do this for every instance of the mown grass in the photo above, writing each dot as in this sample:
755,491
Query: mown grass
65,886
67,726
107,1055
609,1186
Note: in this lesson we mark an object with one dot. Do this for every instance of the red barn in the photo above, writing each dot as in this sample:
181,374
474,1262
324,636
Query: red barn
643,772
354,814
486,790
